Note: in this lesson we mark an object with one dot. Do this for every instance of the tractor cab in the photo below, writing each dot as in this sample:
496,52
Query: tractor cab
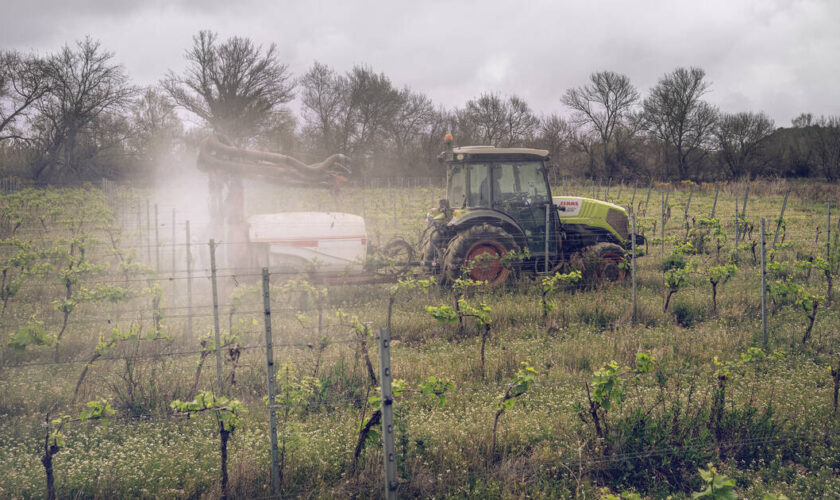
510,182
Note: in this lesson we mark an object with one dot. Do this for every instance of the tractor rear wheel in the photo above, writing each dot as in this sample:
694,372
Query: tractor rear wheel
480,240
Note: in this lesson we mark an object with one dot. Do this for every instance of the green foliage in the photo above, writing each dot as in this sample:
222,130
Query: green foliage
228,412
718,486
437,387
97,410
685,248
550,284
407,284
398,386
673,261
105,293
133,334
444,313
677,278
721,274
293,391
33,333
522,380
607,388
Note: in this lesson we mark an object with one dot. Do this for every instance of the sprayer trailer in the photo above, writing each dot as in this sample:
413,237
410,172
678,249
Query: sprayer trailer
499,209
294,242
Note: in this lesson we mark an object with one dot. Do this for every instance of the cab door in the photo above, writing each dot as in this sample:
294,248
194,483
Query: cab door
520,192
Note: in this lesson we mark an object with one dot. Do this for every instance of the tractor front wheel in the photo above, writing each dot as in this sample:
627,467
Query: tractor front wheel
485,244
606,263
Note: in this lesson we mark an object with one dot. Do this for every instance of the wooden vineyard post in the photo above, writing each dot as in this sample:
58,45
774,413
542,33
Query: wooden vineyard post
387,401
828,233
157,241
714,203
172,269
148,232
688,203
763,286
189,283
662,225
781,219
394,204
744,208
139,232
737,225
547,231
216,315
633,260
269,371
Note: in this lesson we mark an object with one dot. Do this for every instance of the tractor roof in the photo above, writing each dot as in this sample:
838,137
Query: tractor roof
466,153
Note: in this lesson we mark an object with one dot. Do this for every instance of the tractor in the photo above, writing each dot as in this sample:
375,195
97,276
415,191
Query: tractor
499,218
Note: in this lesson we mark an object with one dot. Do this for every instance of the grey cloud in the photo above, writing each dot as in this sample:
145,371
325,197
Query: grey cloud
775,56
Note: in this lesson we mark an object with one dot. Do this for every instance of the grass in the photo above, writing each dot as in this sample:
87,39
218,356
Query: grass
545,448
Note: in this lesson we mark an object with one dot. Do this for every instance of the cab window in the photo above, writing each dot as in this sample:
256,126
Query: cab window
456,192
505,181
480,191
531,181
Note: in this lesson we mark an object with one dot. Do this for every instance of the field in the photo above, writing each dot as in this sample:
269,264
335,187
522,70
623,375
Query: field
100,313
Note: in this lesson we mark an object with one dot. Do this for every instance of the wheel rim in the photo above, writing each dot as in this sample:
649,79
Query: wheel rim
490,269
401,251
610,270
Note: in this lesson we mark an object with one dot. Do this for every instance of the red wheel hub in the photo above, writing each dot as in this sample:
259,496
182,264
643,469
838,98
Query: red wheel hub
490,267
610,267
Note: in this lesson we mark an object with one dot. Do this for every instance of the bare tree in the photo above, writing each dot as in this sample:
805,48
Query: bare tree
825,142
804,120
84,85
234,86
155,126
492,120
739,139
520,122
600,108
371,102
486,115
675,113
412,120
22,83
554,134
323,95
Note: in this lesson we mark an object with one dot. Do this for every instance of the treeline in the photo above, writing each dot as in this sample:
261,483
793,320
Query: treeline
74,115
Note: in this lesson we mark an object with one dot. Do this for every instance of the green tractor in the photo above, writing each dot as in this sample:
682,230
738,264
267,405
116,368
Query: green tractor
499,207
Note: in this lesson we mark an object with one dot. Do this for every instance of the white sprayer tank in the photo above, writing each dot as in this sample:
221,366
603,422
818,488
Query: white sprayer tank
334,242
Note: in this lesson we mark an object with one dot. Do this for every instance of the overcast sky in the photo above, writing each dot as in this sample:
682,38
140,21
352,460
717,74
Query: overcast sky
777,56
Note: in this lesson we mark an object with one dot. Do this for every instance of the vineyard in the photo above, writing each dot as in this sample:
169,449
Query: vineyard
133,357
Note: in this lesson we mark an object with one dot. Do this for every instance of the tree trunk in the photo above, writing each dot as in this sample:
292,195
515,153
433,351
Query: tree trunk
495,427
714,298
668,300
224,435
363,434
484,335
46,460
812,316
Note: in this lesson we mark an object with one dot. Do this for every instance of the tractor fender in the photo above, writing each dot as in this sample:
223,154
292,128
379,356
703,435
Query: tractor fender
493,217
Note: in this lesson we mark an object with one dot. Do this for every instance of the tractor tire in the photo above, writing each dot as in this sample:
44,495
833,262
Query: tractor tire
402,254
475,241
605,263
